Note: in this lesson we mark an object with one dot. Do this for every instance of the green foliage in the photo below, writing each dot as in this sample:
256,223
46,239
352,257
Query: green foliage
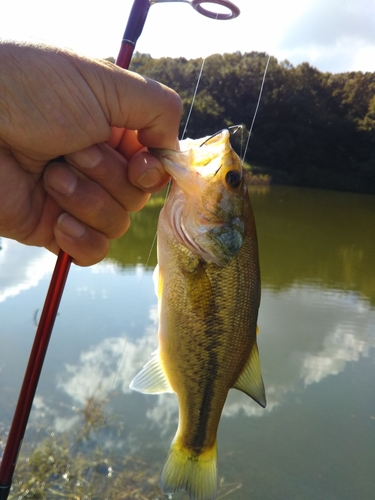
312,129
70,465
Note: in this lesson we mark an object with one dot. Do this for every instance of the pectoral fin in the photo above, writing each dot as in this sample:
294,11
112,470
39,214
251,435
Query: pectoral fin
151,379
250,381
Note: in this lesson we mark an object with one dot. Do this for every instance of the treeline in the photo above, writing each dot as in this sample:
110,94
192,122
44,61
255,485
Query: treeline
312,128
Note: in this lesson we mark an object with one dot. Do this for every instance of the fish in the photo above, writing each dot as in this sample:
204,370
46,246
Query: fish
208,286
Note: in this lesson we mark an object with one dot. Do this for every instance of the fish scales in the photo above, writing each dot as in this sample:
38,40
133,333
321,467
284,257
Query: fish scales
211,303
208,287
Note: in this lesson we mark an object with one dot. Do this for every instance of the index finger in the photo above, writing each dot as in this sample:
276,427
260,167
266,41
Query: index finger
132,101
125,142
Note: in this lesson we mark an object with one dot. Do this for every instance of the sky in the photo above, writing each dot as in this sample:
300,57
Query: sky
331,35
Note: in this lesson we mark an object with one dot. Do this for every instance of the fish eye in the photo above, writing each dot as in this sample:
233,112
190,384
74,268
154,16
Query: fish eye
233,178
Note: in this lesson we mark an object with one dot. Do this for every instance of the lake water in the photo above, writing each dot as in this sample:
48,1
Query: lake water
315,439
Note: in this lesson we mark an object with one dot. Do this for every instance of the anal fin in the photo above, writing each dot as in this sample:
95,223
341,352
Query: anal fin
250,381
151,379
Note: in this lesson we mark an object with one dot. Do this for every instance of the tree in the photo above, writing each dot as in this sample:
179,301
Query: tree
312,128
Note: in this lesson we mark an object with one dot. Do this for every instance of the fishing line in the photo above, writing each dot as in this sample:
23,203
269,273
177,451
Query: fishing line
193,101
182,137
257,107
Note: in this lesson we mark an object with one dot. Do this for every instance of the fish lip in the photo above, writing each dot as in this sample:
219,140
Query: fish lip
175,164
165,154
209,140
161,151
205,146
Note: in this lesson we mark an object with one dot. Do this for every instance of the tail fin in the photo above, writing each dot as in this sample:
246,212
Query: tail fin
196,474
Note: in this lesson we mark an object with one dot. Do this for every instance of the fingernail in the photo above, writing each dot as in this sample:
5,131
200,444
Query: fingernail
71,226
150,179
62,180
88,158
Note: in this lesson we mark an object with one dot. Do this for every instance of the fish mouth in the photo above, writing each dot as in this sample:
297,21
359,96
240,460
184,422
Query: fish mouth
213,142
200,158
178,164
232,130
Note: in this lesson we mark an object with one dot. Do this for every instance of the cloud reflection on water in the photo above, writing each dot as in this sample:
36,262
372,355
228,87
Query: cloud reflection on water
108,366
299,355
339,348
319,332
307,333
18,273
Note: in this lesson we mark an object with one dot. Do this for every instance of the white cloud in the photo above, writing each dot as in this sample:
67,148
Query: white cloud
338,35
334,35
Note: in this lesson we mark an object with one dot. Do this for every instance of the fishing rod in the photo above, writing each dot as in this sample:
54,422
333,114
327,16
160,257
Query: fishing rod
133,30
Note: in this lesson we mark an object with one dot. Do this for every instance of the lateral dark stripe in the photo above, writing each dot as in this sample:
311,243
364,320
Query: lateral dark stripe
212,370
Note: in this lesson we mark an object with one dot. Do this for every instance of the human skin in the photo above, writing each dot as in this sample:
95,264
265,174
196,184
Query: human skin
73,139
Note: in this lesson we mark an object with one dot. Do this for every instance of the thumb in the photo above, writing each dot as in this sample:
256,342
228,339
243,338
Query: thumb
135,102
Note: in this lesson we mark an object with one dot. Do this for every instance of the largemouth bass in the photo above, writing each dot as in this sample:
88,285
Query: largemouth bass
208,287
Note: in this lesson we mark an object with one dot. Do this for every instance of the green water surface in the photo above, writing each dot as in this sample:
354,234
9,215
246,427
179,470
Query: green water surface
316,438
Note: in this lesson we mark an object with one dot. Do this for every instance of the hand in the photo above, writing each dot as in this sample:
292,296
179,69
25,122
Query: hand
99,118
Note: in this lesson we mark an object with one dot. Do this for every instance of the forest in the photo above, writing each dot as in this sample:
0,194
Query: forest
313,128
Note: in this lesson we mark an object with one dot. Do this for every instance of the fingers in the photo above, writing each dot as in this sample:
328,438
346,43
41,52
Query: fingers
100,196
95,189
81,202
88,97
137,103
162,107
125,141
146,172
86,245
